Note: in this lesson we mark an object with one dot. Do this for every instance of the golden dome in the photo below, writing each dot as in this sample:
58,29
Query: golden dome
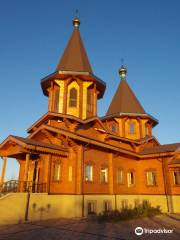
76,22
122,72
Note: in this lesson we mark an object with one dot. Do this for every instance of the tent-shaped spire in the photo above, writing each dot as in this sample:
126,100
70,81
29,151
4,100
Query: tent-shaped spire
124,100
75,57
74,61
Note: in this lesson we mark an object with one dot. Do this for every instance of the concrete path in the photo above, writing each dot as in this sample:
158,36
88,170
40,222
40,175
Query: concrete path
84,229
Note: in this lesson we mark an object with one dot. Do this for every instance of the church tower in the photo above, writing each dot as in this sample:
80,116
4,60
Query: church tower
125,116
73,89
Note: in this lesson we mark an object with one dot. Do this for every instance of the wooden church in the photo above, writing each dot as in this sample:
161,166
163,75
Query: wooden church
86,162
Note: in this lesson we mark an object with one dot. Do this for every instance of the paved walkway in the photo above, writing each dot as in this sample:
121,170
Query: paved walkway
89,230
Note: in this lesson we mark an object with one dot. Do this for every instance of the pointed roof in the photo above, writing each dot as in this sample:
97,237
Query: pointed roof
75,57
74,61
125,101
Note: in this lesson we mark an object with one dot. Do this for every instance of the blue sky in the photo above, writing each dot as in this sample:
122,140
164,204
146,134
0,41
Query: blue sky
146,34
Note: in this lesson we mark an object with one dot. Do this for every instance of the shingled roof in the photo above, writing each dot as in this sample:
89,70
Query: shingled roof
74,57
175,161
160,149
74,61
125,101
31,144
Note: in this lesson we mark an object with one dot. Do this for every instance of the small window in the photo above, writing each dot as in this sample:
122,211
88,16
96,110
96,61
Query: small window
124,203
104,175
70,174
113,128
176,176
146,130
136,203
107,206
120,176
89,173
130,178
151,178
57,172
131,128
89,100
91,207
56,99
73,98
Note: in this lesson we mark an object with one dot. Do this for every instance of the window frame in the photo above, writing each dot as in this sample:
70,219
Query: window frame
88,165
56,99
133,174
73,101
176,182
70,173
154,178
60,171
132,128
109,205
146,130
94,204
122,176
89,101
114,128
106,175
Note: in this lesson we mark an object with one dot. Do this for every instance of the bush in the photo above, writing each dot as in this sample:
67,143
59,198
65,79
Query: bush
142,210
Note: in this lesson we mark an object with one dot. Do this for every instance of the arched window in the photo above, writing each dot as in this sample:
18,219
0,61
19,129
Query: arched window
56,99
89,100
57,171
73,98
130,178
89,173
146,130
113,128
131,128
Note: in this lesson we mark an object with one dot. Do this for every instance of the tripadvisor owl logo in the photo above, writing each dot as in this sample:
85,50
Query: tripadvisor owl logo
138,231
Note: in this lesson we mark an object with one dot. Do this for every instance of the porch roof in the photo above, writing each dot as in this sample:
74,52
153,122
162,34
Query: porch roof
31,145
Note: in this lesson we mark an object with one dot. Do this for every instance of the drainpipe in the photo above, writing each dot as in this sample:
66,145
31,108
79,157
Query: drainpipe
115,199
49,175
82,182
27,206
165,183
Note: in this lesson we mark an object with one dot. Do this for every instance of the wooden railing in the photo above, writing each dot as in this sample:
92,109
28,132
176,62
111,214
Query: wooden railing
21,186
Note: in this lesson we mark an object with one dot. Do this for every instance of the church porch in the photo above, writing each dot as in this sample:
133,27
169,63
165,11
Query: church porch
34,159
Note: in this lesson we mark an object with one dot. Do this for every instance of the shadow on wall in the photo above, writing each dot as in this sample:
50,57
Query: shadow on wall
43,206
41,210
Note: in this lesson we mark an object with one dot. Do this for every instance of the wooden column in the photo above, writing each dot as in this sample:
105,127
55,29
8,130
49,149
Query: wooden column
3,170
26,167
